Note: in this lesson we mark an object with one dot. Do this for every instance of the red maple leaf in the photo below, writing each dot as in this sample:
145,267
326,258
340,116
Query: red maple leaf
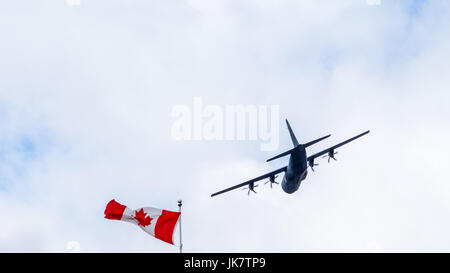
142,218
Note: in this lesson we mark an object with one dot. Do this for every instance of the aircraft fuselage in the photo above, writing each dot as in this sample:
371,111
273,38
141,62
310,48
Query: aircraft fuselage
297,170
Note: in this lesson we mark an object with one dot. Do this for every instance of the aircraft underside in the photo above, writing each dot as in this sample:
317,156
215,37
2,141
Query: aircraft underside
291,185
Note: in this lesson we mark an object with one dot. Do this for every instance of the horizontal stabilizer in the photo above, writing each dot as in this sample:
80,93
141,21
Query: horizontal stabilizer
281,155
315,141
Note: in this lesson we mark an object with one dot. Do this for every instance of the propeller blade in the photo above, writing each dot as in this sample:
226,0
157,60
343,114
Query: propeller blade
312,165
249,188
271,181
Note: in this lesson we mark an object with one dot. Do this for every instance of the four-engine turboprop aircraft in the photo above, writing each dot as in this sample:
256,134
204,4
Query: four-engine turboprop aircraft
297,169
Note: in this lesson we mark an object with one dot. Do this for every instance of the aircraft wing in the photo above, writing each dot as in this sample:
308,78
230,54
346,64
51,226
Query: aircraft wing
252,181
331,149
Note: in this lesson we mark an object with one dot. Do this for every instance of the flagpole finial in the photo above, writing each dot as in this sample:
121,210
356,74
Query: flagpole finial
179,209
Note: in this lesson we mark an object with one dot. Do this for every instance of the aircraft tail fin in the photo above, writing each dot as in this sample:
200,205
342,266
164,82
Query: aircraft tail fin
296,144
294,139
315,141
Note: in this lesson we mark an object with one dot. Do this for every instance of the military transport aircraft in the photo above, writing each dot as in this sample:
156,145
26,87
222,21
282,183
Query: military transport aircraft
296,171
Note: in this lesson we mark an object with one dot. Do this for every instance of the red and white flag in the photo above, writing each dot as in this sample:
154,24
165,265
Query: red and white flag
156,222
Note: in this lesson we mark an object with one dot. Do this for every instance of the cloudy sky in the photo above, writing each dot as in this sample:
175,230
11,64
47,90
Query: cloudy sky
87,91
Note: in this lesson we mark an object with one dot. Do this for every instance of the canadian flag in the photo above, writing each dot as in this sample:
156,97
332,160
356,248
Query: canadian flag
156,222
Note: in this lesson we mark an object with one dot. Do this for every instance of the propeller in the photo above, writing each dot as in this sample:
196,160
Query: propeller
312,164
272,180
251,187
330,155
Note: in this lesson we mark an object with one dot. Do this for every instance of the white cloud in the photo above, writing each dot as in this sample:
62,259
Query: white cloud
93,88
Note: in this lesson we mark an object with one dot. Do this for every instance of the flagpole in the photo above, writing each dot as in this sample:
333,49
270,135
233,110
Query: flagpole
179,209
